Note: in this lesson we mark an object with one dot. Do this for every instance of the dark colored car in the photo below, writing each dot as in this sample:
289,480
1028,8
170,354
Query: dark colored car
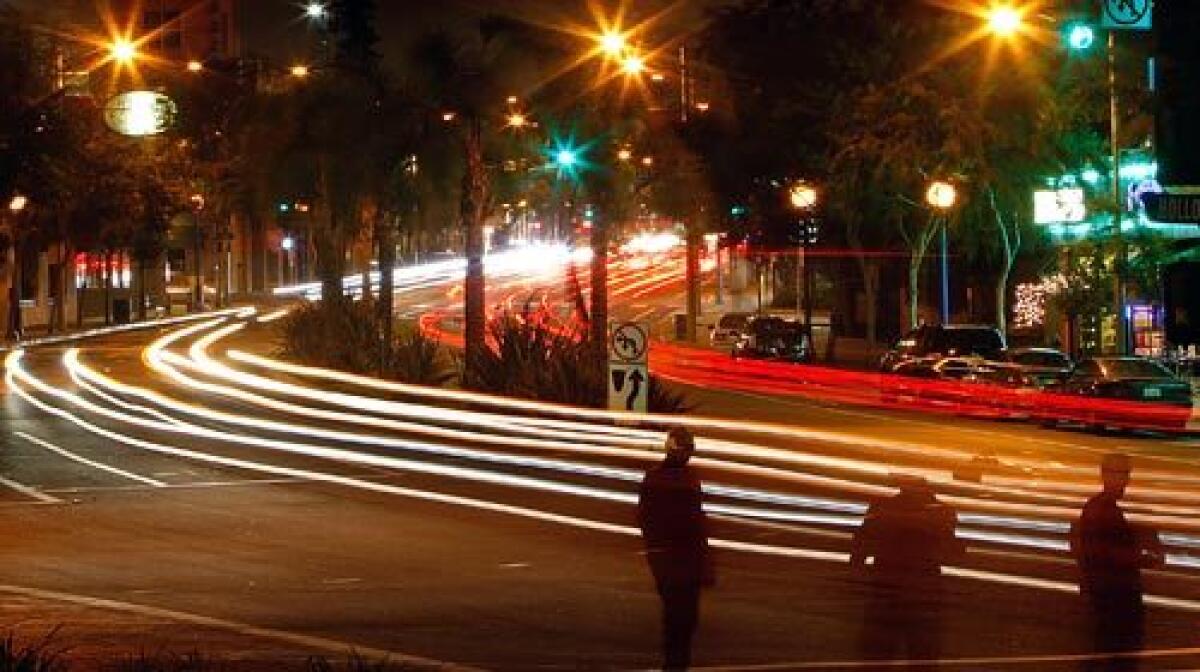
1040,367
774,338
1122,392
1127,379
939,341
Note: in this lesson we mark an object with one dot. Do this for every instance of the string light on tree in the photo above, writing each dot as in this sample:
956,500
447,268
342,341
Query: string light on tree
1029,309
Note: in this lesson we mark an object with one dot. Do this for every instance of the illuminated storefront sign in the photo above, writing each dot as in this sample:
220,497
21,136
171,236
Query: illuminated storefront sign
1063,206
139,113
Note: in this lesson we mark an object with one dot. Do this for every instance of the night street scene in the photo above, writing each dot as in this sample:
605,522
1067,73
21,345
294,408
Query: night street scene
524,335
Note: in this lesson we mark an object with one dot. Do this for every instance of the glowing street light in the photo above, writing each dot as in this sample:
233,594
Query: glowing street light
123,51
17,204
315,11
1004,20
517,120
299,71
612,44
941,195
633,65
194,66
624,154
802,196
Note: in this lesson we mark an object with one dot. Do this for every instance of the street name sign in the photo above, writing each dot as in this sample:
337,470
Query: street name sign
1173,208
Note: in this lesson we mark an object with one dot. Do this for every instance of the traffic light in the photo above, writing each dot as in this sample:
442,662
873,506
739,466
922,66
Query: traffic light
1079,36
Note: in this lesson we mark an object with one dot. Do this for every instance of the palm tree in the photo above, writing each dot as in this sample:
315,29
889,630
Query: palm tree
464,78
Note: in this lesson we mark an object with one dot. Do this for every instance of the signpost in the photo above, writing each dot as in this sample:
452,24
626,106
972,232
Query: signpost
1127,14
1177,208
628,373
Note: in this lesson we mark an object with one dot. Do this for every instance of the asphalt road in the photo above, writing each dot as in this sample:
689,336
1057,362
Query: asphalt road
270,568
198,499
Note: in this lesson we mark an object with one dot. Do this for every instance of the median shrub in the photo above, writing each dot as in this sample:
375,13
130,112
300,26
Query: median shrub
346,335
41,655
530,361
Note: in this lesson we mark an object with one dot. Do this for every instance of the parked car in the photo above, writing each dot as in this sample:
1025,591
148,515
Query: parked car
1127,379
768,337
1132,380
1040,367
938,341
730,328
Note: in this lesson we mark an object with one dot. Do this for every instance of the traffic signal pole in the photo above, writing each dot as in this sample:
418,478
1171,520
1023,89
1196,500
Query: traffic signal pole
1119,323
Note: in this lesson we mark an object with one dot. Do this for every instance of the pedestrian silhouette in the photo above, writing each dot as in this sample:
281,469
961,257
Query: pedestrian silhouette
909,536
675,533
1111,554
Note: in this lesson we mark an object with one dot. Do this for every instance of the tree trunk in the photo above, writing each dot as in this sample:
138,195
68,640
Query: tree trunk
917,251
598,315
870,276
108,273
1011,244
385,230
141,294
198,250
471,212
12,319
693,281
330,265
58,318
1002,300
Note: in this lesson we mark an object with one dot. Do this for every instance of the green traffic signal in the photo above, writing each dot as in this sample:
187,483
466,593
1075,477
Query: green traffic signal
1080,36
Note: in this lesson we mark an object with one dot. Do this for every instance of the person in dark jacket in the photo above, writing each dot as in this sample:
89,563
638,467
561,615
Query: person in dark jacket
909,535
1111,554
675,532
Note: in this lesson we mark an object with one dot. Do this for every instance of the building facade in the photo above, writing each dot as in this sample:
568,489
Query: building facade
180,30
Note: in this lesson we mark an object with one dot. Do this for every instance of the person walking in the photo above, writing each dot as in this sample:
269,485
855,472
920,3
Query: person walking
909,535
1111,554
675,532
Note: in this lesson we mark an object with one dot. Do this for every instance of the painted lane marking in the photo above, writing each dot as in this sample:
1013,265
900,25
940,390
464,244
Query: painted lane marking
28,491
91,463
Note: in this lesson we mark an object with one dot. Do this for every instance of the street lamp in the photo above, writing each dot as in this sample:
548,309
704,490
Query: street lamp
315,11
17,204
123,51
612,44
194,66
299,71
941,196
517,120
803,198
633,65
1004,20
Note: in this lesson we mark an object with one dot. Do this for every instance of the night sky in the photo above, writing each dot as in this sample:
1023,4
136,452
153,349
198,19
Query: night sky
277,29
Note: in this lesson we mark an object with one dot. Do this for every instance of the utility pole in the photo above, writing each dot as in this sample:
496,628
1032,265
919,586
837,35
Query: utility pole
1119,322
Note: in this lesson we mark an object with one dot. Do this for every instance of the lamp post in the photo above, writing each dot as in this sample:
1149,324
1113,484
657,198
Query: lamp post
941,196
803,198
